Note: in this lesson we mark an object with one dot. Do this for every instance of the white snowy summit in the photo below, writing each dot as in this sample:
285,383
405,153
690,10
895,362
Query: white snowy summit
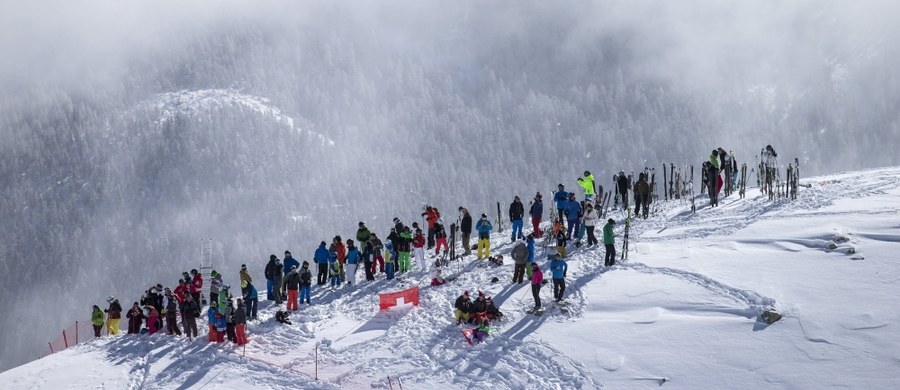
683,311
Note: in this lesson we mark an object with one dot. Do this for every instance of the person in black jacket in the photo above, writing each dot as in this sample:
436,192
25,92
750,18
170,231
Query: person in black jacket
270,277
465,227
305,282
292,284
463,305
190,310
516,213
135,319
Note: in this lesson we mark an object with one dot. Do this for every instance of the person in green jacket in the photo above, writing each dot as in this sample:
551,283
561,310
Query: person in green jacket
97,320
587,184
609,240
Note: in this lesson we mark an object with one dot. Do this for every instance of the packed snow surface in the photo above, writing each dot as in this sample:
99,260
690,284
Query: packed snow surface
681,312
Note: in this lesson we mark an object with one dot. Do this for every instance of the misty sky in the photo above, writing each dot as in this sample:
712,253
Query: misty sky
437,102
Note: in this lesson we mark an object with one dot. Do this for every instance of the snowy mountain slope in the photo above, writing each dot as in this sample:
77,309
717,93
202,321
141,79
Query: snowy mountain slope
681,312
192,103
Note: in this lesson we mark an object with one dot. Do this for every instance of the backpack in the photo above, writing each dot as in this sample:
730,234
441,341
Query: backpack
520,252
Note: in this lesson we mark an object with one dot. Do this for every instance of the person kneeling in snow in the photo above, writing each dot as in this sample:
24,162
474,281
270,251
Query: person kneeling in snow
492,312
479,309
436,278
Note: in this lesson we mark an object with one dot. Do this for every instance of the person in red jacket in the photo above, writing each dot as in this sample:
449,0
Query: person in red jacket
431,215
181,291
196,286
419,249
337,245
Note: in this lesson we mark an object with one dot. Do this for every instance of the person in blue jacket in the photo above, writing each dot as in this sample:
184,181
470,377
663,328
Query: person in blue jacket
529,240
321,258
558,267
353,257
562,200
484,227
573,215
390,255
251,298
289,262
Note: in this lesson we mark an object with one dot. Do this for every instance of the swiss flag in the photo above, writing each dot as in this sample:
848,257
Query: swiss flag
404,297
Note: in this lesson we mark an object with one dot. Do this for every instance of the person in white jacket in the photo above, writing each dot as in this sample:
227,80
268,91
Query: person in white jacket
590,219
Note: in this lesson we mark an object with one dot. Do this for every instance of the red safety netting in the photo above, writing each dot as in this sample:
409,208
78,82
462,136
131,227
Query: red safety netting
79,332
388,300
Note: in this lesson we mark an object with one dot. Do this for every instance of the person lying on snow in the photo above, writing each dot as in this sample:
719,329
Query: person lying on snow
282,317
481,332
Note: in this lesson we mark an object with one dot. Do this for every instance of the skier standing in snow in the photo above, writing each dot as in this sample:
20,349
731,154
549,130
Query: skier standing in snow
440,237
529,241
277,280
152,319
770,162
368,265
587,184
713,177
171,313
610,242
190,310
114,313
431,215
353,257
519,254
337,246
562,200
245,274
590,219
363,235
135,319
292,285
537,280
642,196
622,185
97,320
240,322
289,263
334,269
537,213
229,321
405,242
559,233
484,228
573,214
321,258
516,213
377,258
465,227
305,283
270,277
196,286
251,299
214,284
558,268
418,243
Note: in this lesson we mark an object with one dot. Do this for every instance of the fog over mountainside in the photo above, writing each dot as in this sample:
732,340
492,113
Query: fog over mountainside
130,133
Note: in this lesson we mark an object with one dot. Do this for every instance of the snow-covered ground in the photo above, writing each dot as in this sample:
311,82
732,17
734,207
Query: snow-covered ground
681,312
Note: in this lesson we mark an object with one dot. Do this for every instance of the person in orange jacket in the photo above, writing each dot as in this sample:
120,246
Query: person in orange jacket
431,215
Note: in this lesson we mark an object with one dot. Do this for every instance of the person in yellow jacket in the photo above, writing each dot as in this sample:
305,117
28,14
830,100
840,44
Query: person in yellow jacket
97,320
587,184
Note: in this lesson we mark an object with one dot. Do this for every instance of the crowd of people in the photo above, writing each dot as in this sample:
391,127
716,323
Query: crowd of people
290,281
